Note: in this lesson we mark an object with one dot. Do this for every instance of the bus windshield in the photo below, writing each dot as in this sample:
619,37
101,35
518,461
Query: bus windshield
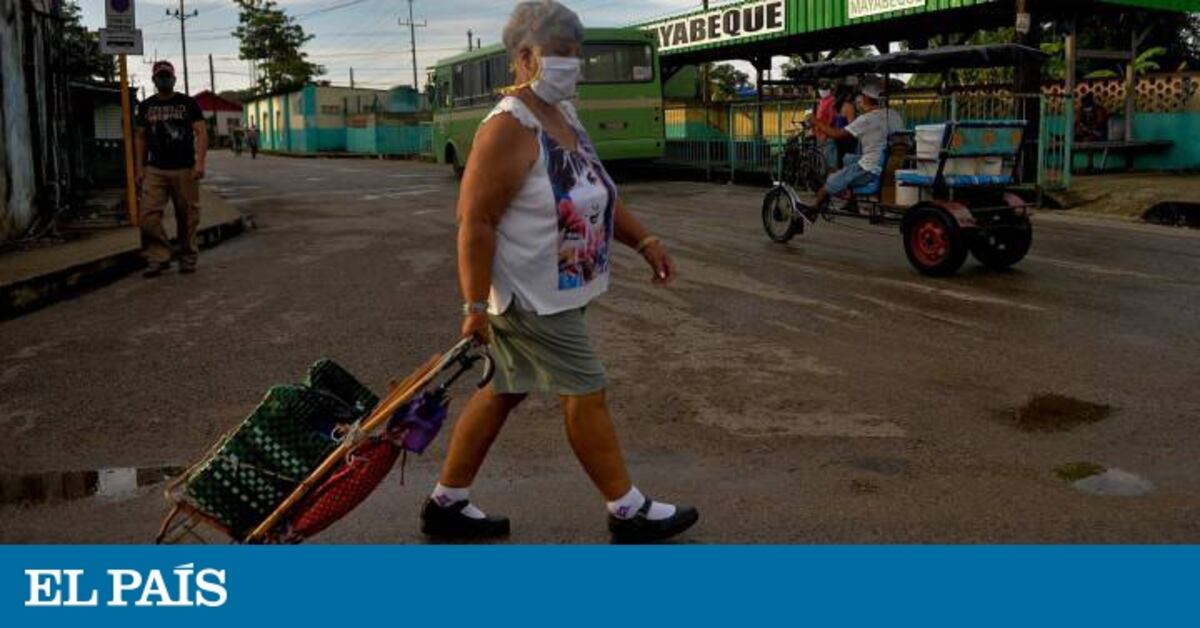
617,63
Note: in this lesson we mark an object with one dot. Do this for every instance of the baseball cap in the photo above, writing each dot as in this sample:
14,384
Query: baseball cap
873,90
163,67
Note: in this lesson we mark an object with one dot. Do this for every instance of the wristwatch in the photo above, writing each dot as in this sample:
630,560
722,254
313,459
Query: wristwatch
475,307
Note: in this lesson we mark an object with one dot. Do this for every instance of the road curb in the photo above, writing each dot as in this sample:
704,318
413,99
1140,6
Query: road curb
25,296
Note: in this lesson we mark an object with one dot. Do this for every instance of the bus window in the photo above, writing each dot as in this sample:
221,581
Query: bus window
499,73
617,63
460,82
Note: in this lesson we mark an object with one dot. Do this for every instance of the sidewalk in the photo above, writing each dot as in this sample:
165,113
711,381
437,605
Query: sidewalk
33,278
1129,195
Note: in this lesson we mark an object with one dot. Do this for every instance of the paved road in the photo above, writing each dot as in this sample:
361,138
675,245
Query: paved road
819,392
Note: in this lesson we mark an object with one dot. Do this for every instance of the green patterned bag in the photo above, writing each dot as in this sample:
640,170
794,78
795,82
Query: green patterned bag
286,437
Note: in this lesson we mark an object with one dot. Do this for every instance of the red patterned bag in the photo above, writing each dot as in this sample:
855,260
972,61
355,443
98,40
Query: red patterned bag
345,488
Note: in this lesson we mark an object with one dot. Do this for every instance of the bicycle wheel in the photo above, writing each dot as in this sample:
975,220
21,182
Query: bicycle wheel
779,216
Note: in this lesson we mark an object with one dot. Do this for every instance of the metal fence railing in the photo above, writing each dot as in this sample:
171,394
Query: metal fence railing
749,137
1056,142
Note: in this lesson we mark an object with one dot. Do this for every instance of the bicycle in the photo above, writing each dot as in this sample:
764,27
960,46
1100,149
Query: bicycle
803,164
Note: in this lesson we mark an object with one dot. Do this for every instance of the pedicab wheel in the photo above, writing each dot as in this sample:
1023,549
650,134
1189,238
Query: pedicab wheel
934,243
780,216
1000,248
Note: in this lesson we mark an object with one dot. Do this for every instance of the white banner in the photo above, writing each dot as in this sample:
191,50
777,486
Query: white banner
727,23
120,42
866,8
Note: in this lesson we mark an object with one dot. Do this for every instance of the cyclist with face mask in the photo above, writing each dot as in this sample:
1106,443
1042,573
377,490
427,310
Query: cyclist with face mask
538,215
170,148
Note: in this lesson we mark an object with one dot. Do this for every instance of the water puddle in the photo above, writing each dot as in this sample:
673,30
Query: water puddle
59,486
1048,412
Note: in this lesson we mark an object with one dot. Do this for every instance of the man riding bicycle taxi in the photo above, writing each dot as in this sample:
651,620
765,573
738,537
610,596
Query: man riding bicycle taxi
871,128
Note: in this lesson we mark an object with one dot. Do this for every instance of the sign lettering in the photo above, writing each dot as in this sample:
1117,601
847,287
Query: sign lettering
867,8
727,23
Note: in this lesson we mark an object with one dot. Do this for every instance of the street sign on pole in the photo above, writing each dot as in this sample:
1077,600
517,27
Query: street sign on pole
120,42
118,15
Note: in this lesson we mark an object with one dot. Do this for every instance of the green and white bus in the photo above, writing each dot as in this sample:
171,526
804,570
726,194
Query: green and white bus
620,96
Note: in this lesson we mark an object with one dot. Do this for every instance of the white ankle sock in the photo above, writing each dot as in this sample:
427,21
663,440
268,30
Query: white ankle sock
627,506
445,496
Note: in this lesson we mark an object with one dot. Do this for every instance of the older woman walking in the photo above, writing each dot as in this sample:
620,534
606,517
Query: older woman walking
537,217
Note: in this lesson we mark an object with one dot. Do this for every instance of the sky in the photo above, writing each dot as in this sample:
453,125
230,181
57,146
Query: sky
362,34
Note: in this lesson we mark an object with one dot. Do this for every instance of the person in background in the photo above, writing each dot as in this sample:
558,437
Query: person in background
1092,123
826,113
844,114
538,216
237,137
252,140
170,150
872,129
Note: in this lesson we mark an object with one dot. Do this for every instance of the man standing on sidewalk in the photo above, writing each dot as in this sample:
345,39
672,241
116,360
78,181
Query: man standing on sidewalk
171,146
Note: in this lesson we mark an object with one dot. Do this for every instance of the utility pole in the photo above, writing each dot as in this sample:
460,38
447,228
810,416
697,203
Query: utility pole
351,78
212,76
470,39
412,34
183,17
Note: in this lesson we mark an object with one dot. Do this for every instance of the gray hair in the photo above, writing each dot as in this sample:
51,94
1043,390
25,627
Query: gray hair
538,23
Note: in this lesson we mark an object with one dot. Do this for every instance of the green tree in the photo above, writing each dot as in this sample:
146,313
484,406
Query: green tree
724,80
790,66
273,40
81,48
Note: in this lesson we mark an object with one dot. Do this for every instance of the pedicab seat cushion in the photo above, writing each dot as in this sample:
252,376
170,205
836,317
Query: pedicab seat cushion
954,180
871,188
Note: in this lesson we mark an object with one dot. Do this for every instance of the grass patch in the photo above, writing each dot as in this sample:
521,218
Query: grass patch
1076,471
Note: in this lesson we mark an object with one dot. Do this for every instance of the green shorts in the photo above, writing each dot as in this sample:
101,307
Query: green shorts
548,354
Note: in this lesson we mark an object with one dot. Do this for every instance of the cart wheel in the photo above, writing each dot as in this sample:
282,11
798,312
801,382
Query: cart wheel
780,216
934,243
1000,248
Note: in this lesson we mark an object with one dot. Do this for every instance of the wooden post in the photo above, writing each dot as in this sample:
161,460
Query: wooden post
1131,82
1027,92
131,192
1071,52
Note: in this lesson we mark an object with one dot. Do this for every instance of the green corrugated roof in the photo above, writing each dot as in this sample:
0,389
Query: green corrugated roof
1166,5
811,16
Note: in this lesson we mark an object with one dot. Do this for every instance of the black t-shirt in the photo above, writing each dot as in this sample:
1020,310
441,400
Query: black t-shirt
168,126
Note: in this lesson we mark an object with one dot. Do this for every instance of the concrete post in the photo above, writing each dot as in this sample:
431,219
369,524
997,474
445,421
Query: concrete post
17,180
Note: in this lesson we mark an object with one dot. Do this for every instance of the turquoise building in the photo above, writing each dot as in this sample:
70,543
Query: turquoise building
322,118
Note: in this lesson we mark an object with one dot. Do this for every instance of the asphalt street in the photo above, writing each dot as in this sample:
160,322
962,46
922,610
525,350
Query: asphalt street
818,392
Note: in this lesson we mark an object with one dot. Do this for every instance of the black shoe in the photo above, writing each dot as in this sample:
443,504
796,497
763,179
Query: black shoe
187,269
155,269
449,522
639,529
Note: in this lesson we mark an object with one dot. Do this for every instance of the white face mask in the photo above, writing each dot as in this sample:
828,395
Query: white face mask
824,93
557,79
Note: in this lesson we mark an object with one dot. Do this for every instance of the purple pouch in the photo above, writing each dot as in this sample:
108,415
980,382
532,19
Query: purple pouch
418,423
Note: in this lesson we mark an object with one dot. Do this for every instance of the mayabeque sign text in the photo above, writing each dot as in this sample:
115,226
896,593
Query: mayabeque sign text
867,8
726,23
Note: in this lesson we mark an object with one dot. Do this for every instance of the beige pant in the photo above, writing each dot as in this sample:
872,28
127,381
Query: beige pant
183,191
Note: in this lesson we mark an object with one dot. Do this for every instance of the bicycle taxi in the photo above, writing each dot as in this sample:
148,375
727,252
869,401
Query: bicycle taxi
951,187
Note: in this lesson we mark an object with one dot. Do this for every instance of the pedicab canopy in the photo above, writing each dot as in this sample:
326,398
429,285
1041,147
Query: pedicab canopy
922,61
750,29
